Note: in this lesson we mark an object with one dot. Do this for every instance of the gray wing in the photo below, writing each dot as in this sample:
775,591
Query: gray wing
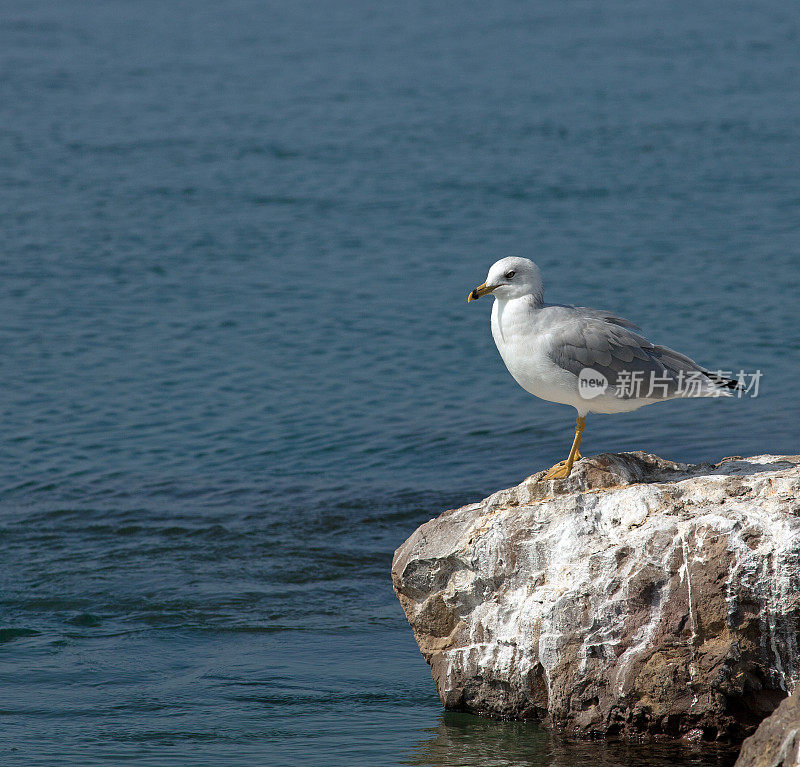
601,314
624,357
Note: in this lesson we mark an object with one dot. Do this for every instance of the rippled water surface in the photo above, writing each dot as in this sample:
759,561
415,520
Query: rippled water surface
239,368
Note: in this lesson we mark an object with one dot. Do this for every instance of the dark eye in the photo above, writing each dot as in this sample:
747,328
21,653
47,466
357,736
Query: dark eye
510,274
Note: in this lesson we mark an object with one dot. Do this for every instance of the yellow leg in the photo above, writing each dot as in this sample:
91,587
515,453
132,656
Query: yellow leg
563,468
578,435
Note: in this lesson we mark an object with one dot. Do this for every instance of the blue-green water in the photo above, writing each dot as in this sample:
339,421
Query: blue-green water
239,368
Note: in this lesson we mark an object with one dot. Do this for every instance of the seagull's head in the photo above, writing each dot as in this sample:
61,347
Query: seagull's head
509,278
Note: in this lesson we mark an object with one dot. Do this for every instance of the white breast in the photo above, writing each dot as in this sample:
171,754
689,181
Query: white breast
524,350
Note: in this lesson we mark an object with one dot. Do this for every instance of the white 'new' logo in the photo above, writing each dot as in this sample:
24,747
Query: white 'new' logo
591,383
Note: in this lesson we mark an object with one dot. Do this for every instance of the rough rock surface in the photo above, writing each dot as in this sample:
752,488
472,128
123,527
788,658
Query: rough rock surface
776,742
638,596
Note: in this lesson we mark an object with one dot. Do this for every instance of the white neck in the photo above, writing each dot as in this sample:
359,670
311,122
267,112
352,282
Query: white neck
529,300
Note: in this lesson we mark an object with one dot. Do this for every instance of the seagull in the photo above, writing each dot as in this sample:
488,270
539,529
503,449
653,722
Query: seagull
588,358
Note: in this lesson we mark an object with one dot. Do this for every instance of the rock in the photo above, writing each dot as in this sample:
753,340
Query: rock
776,742
638,596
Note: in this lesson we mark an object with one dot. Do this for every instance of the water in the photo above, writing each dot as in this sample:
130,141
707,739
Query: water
239,364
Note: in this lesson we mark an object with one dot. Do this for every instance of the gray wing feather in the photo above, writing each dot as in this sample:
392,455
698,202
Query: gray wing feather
601,314
592,339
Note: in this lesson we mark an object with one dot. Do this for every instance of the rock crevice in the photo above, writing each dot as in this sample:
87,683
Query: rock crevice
639,596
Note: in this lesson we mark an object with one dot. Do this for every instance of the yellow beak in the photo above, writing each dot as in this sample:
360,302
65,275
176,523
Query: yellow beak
481,290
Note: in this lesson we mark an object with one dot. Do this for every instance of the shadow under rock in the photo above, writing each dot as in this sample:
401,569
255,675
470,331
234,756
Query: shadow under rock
464,740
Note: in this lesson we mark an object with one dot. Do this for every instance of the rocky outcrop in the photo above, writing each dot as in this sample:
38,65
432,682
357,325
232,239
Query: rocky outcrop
776,742
638,596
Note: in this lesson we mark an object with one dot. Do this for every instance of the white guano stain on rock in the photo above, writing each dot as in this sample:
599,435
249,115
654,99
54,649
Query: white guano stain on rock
637,596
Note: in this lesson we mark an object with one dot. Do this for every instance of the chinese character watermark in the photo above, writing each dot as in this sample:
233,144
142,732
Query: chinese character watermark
640,384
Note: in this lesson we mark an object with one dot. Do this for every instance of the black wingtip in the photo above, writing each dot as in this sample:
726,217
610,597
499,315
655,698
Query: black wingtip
725,383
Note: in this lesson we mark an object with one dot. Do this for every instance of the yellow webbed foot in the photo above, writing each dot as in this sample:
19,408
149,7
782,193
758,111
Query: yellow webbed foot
560,471
563,468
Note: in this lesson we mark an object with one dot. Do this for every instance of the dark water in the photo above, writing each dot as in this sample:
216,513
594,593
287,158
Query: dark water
239,368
